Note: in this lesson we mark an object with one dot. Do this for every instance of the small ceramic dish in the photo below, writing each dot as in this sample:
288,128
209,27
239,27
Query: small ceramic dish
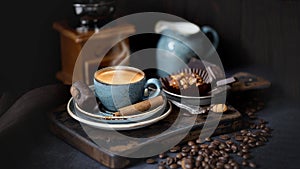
200,95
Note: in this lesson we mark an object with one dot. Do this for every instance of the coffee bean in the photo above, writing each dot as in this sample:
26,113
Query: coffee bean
175,149
252,145
184,154
234,163
239,153
245,150
246,147
187,163
206,159
161,167
243,131
192,153
234,148
220,164
246,138
222,146
162,155
199,158
204,164
212,146
169,161
207,151
246,156
252,126
179,162
229,142
191,143
236,167
195,146
253,117
264,139
227,166
244,163
252,165
173,166
224,137
251,140
203,146
239,138
223,159
185,149
194,150
226,155
259,143
178,156
197,164
228,150
150,161
262,126
216,153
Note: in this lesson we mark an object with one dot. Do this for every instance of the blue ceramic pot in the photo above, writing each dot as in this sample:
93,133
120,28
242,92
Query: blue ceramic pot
180,41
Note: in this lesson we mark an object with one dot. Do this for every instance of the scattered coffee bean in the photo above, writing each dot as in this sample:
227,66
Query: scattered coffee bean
178,156
244,163
184,154
239,138
227,166
246,156
150,161
224,137
234,148
252,165
217,153
185,149
162,155
173,166
203,146
169,161
245,150
174,149
161,167
191,143
187,163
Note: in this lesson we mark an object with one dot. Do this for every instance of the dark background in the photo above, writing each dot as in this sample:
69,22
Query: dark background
264,33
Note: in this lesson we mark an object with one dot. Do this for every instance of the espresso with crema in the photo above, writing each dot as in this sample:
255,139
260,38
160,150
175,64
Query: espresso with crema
119,76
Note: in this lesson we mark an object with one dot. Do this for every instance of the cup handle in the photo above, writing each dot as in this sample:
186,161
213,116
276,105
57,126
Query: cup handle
155,82
208,29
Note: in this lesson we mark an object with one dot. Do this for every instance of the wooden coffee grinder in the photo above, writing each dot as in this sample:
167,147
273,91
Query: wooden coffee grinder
74,36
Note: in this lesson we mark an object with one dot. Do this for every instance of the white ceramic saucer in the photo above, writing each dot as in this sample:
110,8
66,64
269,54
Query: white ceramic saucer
102,124
109,118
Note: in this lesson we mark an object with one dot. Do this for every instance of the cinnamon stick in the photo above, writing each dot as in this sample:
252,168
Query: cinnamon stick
140,107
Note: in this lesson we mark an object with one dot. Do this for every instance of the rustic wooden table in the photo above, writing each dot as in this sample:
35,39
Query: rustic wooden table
37,147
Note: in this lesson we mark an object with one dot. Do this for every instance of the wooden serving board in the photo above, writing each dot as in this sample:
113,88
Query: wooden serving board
72,132
247,87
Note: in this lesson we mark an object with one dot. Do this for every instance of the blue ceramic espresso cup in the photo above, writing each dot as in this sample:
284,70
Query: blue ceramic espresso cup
120,86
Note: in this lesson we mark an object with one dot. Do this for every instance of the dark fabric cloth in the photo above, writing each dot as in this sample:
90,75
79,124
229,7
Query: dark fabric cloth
19,108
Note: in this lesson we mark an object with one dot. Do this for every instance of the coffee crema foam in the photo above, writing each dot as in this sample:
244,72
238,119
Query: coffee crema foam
119,76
